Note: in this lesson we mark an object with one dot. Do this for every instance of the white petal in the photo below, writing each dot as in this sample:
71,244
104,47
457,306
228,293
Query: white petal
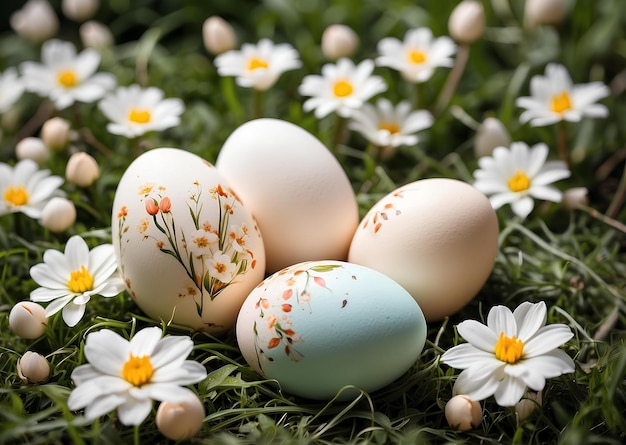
72,313
107,351
523,207
133,411
475,389
169,349
104,405
165,392
510,391
547,193
546,339
58,304
500,320
145,341
478,335
529,318
551,364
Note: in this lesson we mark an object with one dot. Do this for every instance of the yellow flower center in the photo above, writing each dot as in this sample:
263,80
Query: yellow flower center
256,63
137,370
15,196
139,115
416,56
342,88
509,349
391,127
67,78
80,280
561,103
519,182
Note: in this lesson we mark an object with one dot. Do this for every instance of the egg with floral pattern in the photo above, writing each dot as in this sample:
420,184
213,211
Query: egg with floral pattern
321,328
437,237
188,250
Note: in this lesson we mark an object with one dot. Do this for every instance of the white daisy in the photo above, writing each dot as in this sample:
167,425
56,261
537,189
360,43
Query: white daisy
68,280
517,175
66,77
258,66
129,375
515,350
133,111
26,189
387,126
221,267
418,55
11,89
555,98
342,87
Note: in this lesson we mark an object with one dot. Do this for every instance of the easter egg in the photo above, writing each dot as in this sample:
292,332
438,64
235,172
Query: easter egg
319,326
296,189
188,250
438,238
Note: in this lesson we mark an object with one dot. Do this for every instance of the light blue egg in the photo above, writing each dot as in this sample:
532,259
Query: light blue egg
319,326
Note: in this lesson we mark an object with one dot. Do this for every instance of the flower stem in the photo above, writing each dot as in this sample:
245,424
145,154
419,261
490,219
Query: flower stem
453,78
562,142
606,219
339,132
419,95
136,435
618,198
258,103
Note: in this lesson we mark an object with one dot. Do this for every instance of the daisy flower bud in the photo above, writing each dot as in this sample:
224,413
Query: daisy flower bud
545,12
574,197
95,35
490,134
79,10
33,368
527,405
27,320
55,133
339,41
463,413
36,21
180,420
82,169
217,35
58,215
467,21
32,148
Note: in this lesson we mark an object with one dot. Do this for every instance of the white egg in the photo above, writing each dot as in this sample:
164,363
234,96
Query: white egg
187,248
320,326
297,191
436,237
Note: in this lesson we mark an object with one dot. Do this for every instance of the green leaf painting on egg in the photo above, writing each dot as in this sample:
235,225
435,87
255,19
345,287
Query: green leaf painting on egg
276,316
212,257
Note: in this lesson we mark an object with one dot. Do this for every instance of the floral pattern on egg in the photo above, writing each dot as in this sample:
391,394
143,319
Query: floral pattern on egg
319,326
274,325
383,211
212,257
200,223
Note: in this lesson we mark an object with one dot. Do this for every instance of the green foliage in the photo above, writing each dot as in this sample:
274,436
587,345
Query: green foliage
573,260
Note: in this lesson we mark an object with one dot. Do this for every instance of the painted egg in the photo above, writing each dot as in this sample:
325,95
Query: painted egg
319,326
297,191
438,238
188,249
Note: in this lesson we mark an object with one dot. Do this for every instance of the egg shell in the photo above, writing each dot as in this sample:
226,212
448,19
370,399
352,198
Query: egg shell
438,238
296,189
188,249
319,326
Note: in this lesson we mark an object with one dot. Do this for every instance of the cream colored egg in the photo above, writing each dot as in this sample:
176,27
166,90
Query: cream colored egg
437,237
297,191
188,249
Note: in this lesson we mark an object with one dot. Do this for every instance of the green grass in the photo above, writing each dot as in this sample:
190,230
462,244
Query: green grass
575,261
